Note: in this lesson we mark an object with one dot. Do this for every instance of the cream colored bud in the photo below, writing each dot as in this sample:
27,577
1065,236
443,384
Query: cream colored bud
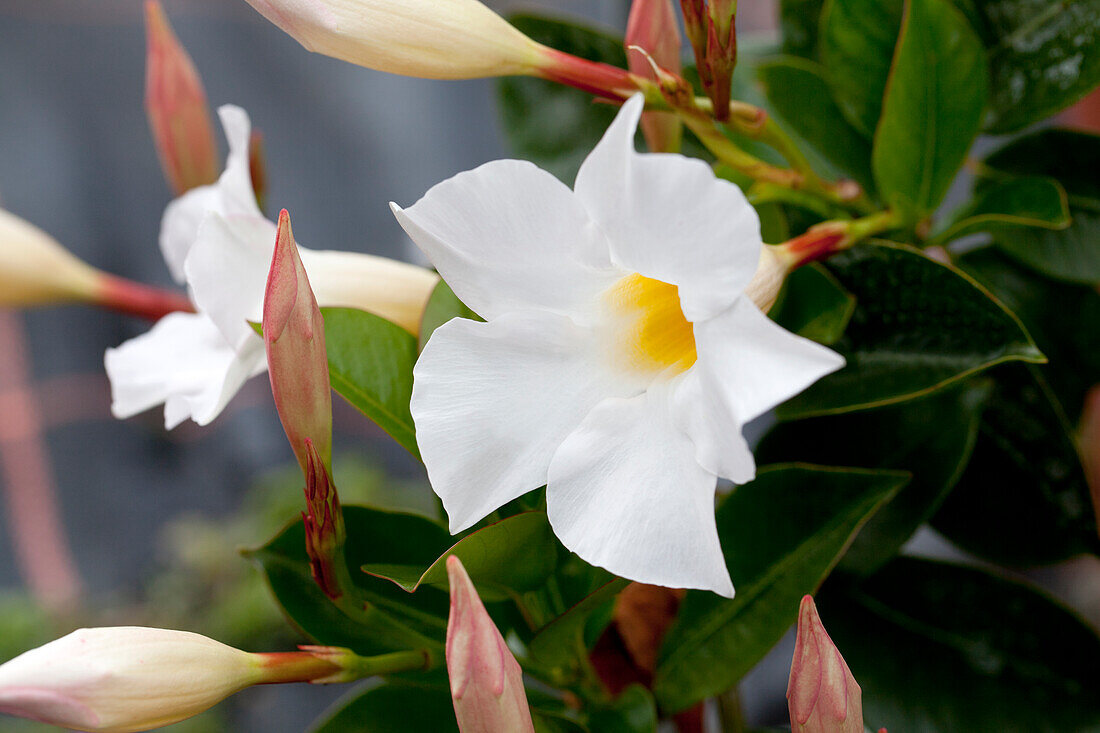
771,271
36,270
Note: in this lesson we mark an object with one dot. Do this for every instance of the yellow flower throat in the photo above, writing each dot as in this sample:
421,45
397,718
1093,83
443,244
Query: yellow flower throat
657,336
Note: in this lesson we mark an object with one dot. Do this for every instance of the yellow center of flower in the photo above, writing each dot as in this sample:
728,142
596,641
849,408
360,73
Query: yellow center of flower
655,335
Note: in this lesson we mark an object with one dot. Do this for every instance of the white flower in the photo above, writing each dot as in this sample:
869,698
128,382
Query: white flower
216,240
620,359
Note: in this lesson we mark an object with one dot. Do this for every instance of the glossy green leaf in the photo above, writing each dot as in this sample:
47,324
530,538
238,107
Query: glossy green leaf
370,363
558,642
1023,499
781,535
1072,158
373,536
443,305
931,438
814,305
939,647
513,555
391,708
798,92
633,711
1044,57
933,106
799,21
857,47
919,325
1003,207
550,124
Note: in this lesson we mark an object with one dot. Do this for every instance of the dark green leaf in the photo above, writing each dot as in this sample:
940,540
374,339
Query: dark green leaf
857,46
939,647
373,536
489,556
558,642
1044,56
1004,207
931,438
633,711
800,95
781,534
1069,156
443,305
1071,254
814,305
552,125
799,19
919,325
370,363
933,106
391,708
1023,499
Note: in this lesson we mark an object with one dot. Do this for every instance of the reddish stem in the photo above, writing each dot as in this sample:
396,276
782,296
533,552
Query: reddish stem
136,299
593,77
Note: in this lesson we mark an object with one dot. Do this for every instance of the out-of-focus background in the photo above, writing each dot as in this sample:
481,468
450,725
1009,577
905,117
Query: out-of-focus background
152,519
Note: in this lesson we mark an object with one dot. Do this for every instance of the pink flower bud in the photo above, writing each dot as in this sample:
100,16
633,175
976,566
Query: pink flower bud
176,105
324,527
652,27
712,29
294,334
486,680
822,694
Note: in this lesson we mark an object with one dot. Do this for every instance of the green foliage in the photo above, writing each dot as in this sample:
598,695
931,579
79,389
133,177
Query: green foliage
370,363
813,304
939,647
443,305
1001,207
781,534
799,20
633,711
919,325
397,707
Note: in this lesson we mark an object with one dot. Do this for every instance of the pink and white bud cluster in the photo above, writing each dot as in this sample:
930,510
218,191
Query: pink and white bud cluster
822,694
712,29
653,29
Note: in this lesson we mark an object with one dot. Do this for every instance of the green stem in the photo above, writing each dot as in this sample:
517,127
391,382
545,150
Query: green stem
731,712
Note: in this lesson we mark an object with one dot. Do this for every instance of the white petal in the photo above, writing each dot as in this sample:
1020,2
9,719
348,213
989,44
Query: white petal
747,364
492,402
668,218
626,493
227,272
231,195
184,362
507,236
714,428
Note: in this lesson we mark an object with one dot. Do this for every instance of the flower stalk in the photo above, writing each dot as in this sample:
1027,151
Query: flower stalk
829,237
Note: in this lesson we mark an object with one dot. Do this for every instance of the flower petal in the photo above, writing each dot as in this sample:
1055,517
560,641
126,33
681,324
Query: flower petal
508,236
227,272
668,218
626,493
184,362
231,195
747,364
492,402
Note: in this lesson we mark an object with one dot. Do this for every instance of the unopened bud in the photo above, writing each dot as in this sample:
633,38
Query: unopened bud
175,102
486,680
712,29
771,270
822,694
652,27
324,527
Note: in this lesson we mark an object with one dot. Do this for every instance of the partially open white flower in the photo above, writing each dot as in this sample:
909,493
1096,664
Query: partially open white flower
216,240
620,359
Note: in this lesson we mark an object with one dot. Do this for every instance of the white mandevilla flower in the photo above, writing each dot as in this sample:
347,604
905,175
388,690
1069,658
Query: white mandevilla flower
620,359
216,240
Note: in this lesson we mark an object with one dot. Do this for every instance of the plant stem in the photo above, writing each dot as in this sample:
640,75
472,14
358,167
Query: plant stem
731,712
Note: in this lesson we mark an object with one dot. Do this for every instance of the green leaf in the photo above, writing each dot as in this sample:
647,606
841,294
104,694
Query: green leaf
552,125
919,325
939,647
781,534
798,92
373,536
1023,500
633,711
814,305
1044,57
857,46
799,20
443,305
931,438
490,557
933,106
370,363
1072,158
557,643
391,708
1005,206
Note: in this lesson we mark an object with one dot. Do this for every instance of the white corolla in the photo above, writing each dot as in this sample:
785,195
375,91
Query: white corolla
216,240
621,356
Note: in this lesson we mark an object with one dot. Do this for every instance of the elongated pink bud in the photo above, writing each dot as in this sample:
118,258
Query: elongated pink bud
822,694
175,102
294,334
486,680
652,28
